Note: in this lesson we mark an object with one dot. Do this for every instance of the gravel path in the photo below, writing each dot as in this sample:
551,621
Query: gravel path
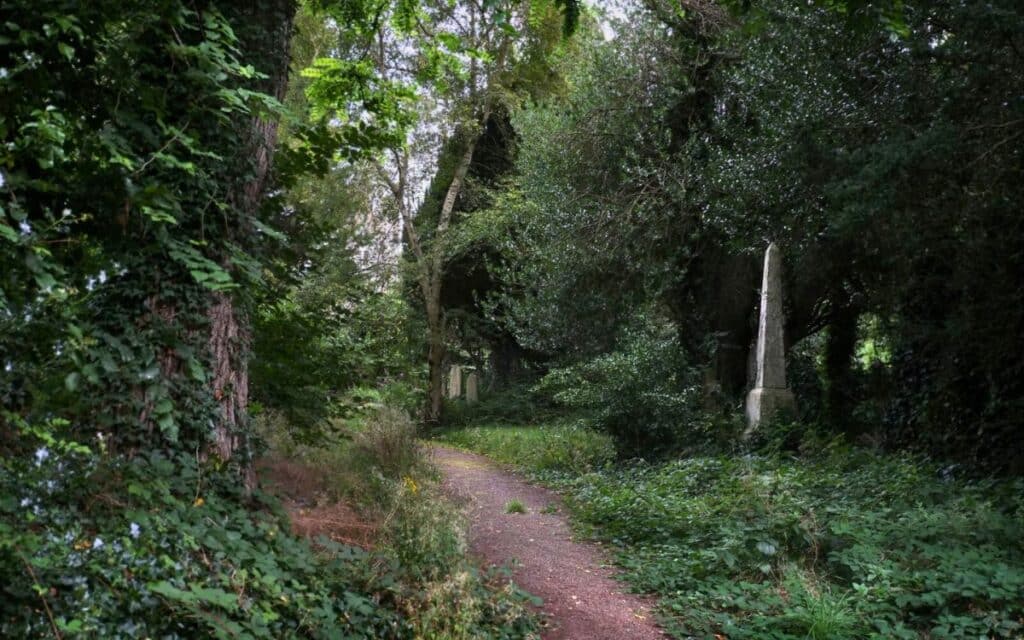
581,599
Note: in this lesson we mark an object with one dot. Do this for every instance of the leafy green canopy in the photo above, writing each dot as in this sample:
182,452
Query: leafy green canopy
882,157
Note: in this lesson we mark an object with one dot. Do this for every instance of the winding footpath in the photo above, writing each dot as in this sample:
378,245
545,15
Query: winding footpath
581,599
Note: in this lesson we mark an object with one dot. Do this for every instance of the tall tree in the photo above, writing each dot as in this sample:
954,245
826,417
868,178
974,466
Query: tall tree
464,58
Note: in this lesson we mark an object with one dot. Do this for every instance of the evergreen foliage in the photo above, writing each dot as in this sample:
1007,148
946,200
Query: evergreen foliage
875,145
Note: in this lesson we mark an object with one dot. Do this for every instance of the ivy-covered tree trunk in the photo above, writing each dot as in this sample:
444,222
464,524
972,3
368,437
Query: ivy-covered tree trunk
266,39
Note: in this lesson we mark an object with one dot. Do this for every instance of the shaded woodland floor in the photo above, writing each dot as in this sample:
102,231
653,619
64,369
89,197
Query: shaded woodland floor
312,512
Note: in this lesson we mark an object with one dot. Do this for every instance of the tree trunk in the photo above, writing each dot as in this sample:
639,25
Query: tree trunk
265,38
229,342
840,344
436,349
431,281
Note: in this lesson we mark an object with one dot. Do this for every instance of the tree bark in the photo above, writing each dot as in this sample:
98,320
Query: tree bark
432,282
436,350
266,39
840,344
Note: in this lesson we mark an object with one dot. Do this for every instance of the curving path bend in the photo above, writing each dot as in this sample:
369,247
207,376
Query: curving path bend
581,599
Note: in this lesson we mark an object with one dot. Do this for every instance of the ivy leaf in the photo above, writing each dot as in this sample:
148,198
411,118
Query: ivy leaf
195,369
269,231
168,427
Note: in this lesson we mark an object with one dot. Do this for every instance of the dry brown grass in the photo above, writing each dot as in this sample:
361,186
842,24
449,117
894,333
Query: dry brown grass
303,493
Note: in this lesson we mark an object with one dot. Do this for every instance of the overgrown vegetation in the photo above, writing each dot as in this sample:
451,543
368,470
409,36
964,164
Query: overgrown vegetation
161,546
418,567
168,209
225,224
847,544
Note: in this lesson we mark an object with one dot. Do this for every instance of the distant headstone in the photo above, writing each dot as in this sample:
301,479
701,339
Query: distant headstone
455,382
472,390
770,392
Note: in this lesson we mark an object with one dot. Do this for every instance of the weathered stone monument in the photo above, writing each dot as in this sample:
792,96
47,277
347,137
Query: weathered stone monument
454,382
472,388
770,393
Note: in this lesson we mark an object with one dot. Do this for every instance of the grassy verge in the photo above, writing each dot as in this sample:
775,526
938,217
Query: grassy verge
554,450
851,545
418,565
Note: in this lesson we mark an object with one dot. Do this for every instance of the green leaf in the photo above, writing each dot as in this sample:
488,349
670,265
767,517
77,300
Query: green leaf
9,234
168,426
269,231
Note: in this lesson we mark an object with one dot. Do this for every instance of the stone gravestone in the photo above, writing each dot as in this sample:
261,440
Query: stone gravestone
770,392
455,382
472,391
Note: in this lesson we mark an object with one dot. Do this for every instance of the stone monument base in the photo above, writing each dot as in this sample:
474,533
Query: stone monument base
762,402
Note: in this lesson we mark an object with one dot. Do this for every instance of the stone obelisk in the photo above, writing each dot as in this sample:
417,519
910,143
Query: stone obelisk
770,393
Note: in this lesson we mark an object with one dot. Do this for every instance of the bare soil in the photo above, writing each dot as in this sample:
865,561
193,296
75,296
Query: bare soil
582,601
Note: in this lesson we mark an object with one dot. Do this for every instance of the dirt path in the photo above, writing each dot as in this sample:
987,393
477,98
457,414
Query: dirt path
581,599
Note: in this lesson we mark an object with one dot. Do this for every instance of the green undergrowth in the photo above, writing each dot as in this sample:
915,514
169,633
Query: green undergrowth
161,545
551,450
420,550
516,405
846,545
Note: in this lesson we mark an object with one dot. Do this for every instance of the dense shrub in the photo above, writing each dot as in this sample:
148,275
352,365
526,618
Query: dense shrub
644,393
388,442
